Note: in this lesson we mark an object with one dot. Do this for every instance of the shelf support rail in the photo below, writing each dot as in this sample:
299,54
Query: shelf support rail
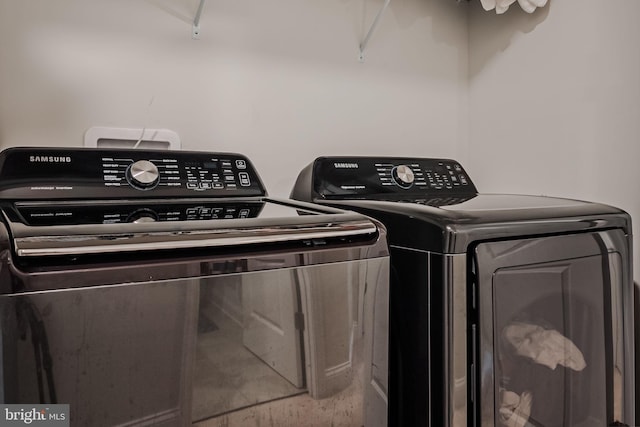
196,21
375,24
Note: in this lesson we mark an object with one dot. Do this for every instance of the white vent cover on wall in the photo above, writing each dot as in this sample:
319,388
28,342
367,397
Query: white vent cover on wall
157,139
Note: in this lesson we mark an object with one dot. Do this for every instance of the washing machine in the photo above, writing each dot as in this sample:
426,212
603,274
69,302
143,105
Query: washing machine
506,310
165,288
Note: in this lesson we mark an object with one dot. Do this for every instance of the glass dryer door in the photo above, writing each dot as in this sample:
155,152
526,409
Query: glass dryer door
549,345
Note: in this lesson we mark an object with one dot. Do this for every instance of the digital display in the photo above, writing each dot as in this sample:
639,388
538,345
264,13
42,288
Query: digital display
210,165
440,169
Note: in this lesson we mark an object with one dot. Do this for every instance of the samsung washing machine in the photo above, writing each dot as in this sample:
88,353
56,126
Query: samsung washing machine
506,310
144,287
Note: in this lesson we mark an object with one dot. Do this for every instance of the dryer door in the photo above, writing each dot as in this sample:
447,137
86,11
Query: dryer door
552,346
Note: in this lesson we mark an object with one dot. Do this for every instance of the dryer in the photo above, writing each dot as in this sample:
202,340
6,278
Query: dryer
506,310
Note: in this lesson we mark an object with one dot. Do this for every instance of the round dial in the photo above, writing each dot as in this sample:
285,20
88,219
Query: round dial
142,215
403,176
143,175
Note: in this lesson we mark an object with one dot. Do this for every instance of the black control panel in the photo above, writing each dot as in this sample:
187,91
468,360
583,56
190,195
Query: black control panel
67,173
348,177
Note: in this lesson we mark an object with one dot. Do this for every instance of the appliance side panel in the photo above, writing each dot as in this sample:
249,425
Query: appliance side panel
455,335
411,337
636,299
376,336
8,327
630,321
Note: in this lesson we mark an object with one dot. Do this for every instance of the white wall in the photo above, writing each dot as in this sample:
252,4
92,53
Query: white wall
277,80
554,102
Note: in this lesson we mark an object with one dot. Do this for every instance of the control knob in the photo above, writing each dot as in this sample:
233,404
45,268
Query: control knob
142,215
143,175
403,176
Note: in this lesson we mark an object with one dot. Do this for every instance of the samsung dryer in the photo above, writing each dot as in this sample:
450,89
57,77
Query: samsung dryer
506,310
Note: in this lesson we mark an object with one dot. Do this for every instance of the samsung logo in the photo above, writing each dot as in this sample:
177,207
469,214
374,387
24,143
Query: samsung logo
345,165
49,159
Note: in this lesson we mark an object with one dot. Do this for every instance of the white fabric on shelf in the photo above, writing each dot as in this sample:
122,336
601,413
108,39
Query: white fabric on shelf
546,347
501,6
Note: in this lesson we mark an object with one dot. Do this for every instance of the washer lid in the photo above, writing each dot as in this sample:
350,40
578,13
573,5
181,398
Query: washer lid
260,223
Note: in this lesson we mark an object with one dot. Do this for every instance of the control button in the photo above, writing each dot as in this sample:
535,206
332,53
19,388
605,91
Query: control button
192,211
244,213
229,178
143,175
403,176
463,180
457,167
218,185
205,185
192,185
244,179
241,164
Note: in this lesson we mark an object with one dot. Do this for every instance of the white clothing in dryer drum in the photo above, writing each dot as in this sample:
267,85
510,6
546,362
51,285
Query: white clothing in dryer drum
515,409
547,347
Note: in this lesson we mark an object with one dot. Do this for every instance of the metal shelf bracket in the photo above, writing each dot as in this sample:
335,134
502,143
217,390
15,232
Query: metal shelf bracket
375,24
196,22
